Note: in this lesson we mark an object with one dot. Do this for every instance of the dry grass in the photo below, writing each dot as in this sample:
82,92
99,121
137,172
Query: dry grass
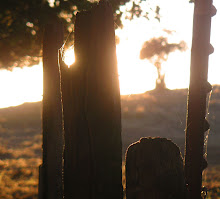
211,180
20,151
18,176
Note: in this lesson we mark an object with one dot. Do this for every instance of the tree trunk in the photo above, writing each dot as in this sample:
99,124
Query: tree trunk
160,81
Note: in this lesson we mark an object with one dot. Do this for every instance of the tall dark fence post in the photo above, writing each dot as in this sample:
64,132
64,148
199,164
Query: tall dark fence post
92,114
198,89
154,170
50,182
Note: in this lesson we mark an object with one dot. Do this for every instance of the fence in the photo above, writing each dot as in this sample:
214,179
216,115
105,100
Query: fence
87,124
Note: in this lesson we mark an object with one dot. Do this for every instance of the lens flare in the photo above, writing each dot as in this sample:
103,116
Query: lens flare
69,57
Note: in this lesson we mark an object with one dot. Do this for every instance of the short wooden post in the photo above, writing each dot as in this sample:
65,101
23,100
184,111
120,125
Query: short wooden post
50,183
154,169
92,111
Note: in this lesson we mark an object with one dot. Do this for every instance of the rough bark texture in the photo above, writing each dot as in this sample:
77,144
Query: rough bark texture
198,89
50,183
92,111
154,169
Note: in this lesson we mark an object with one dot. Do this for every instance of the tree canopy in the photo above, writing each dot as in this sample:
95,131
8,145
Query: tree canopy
22,24
157,50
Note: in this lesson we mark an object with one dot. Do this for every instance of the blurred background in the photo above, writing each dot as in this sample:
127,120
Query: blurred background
173,22
153,44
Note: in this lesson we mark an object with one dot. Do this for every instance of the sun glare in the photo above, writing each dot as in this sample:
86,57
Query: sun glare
21,85
69,56
135,75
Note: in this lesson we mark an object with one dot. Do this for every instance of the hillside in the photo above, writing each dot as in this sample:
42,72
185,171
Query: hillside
149,114
164,115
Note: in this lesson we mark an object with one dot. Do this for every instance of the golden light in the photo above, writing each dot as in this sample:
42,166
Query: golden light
21,85
69,56
135,75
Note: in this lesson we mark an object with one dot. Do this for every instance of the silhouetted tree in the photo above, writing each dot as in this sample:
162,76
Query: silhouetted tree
22,24
156,51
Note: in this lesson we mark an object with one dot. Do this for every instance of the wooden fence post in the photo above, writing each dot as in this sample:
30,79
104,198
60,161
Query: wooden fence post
50,177
154,170
92,110
197,124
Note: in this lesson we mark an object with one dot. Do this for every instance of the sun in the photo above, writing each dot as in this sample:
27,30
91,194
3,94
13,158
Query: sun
69,56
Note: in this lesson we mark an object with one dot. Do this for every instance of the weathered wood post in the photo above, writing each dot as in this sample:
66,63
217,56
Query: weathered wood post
154,170
92,111
50,179
198,89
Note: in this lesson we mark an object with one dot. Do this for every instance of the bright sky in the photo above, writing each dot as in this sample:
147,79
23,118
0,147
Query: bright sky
136,76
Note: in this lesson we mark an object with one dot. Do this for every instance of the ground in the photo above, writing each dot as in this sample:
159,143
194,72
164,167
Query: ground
150,114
